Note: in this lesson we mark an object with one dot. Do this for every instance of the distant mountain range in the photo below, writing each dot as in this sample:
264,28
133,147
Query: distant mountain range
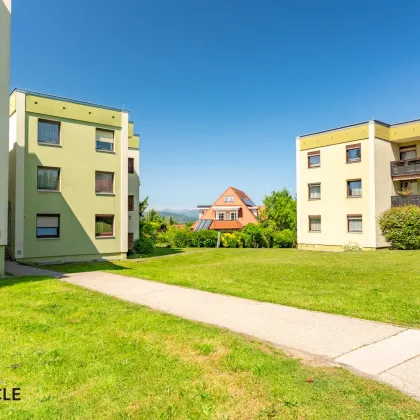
181,216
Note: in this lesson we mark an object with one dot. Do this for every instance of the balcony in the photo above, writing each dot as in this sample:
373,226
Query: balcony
404,200
402,168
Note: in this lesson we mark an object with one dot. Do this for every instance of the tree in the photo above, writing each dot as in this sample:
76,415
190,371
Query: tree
280,211
142,209
171,221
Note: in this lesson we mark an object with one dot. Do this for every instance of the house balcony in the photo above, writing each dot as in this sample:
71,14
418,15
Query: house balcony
404,200
405,169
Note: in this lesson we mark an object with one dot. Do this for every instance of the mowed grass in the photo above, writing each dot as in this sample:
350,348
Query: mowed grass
79,354
381,286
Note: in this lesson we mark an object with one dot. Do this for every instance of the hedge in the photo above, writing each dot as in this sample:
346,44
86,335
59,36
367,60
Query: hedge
252,236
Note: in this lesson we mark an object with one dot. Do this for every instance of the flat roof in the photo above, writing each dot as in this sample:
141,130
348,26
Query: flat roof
61,98
357,124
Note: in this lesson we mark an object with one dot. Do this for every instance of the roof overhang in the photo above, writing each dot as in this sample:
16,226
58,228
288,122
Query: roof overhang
226,207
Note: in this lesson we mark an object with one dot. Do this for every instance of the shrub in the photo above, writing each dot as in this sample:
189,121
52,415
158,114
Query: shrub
255,232
245,240
352,246
284,239
181,238
143,245
231,240
204,239
401,227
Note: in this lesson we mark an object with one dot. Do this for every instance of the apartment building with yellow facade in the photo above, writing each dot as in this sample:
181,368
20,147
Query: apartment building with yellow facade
73,179
5,11
346,177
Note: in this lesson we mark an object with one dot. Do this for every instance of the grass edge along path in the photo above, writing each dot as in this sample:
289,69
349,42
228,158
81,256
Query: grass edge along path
380,286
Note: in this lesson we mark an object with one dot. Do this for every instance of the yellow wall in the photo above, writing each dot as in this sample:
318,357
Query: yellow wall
385,153
338,136
394,133
74,111
334,206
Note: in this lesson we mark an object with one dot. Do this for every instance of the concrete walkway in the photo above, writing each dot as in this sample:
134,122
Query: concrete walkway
385,352
20,270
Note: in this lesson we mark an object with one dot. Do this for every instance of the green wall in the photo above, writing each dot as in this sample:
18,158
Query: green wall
77,202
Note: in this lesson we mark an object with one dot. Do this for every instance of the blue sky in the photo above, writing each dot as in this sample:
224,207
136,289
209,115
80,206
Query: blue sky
219,89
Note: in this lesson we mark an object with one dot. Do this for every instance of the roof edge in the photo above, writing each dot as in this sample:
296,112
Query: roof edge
62,98
334,129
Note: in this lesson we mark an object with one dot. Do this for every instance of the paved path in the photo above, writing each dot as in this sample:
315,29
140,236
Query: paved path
385,352
16,269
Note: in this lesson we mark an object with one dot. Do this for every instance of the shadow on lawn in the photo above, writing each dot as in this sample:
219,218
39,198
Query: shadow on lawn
13,281
158,252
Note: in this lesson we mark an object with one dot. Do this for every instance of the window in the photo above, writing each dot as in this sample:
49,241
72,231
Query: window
354,188
228,198
354,223
104,226
314,159
314,191
47,225
220,216
408,152
131,165
104,182
48,132
104,140
48,179
130,240
353,153
233,216
131,203
314,223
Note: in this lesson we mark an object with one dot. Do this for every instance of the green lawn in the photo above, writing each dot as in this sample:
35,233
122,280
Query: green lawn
79,354
382,285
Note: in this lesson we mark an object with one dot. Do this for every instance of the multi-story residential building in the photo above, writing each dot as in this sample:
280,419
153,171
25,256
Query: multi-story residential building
231,211
5,9
347,177
73,179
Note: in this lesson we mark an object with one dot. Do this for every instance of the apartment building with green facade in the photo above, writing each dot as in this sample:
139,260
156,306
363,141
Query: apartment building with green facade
5,10
73,179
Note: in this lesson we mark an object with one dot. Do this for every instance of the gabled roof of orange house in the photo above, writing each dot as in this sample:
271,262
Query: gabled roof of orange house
232,200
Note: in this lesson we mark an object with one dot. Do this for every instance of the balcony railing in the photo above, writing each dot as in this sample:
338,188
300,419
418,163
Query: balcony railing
405,167
404,200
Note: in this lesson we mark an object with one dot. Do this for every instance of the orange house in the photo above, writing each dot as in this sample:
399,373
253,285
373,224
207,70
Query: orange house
231,211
